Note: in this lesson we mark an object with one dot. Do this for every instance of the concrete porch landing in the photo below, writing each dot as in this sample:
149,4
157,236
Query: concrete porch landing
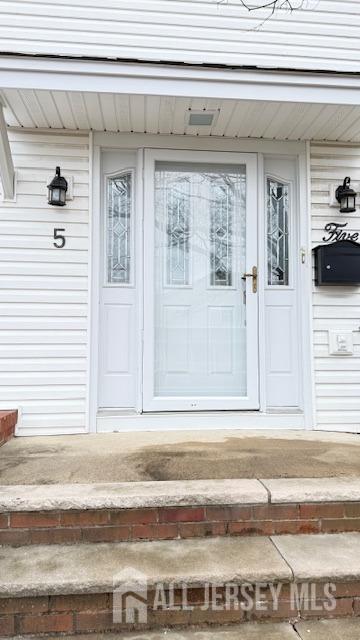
311,629
126,457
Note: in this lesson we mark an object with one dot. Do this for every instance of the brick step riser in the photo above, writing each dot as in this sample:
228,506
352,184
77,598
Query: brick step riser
73,614
167,523
8,420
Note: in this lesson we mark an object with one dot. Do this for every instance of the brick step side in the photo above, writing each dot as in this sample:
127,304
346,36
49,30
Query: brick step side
75,614
116,525
8,420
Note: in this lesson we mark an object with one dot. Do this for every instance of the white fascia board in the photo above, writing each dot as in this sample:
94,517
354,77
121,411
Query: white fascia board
164,80
7,171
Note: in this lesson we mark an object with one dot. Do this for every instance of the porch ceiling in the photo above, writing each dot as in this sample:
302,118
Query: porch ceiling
169,115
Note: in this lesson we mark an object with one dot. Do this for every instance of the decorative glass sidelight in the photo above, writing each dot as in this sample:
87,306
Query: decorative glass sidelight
278,214
118,231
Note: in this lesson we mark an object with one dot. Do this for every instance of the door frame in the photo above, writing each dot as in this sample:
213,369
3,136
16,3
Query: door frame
263,419
203,403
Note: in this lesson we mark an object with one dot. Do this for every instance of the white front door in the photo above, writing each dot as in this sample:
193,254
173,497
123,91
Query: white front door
200,311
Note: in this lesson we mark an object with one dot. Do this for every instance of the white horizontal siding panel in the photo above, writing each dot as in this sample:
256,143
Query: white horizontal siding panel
43,322
46,350
328,324
66,423
42,364
33,201
21,393
337,378
321,35
341,422
165,48
338,365
337,403
344,390
46,379
65,298
43,310
37,150
37,268
41,161
44,290
346,296
34,337
43,282
328,311
46,256
202,26
43,407
332,377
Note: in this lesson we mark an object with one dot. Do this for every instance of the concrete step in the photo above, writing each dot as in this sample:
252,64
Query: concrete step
69,514
93,588
246,631
338,629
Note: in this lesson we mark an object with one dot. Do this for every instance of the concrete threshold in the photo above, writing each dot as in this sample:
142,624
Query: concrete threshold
340,629
134,495
101,567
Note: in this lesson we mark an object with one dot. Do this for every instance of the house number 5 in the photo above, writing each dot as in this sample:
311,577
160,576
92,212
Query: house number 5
59,238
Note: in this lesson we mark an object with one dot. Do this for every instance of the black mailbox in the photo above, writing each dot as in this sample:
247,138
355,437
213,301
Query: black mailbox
337,263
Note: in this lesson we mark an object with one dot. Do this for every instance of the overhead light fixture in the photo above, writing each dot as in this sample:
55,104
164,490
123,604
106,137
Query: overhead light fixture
202,118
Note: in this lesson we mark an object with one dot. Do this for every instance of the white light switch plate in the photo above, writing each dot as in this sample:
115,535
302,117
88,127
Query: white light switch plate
341,343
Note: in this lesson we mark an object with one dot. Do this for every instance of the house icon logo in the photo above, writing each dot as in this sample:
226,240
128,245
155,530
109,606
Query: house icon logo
130,596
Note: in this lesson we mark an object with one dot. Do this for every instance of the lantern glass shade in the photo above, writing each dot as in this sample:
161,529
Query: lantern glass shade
346,196
57,190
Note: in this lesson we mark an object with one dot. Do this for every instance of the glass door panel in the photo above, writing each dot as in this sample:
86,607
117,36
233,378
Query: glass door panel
200,320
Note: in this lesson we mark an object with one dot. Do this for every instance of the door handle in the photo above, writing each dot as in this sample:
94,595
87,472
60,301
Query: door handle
254,276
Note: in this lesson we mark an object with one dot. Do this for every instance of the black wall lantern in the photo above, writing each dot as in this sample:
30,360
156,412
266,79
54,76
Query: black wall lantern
346,196
57,190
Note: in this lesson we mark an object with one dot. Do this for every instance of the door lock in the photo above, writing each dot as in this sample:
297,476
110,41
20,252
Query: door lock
254,276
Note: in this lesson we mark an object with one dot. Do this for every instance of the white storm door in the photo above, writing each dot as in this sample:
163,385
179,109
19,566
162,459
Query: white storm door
200,314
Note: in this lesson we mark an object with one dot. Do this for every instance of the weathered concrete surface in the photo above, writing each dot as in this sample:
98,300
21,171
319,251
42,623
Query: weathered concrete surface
285,490
122,457
341,629
344,629
321,557
247,631
92,568
131,495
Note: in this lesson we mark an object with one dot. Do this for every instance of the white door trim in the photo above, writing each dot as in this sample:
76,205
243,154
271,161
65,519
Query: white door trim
222,420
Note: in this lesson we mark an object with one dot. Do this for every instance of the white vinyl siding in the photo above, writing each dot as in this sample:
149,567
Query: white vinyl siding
43,290
337,378
323,35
